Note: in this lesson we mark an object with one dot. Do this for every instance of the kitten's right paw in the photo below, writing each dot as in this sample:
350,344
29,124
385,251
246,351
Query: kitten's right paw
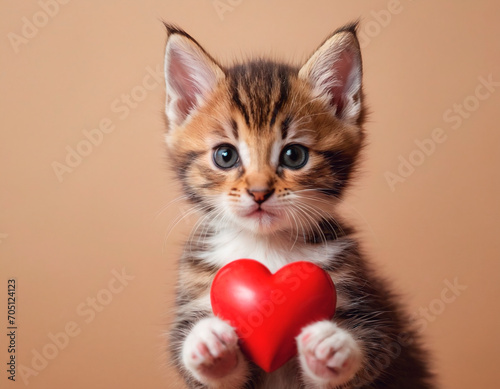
210,351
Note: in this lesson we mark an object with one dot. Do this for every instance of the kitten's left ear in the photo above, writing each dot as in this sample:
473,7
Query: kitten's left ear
191,74
335,73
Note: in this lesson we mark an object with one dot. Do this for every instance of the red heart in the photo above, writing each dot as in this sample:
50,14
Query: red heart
269,310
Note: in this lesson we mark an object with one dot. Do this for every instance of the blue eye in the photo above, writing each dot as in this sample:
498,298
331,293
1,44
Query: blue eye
294,157
226,157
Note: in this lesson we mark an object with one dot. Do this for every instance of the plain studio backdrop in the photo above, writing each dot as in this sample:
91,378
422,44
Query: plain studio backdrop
84,224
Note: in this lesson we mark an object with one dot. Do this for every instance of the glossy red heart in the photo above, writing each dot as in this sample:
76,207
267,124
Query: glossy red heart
269,310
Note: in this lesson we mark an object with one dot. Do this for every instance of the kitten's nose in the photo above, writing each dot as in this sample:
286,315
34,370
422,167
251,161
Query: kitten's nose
260,195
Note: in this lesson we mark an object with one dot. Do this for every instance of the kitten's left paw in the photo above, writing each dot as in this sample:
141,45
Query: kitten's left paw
328,354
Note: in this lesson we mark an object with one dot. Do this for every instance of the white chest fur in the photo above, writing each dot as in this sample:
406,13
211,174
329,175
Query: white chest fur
273,251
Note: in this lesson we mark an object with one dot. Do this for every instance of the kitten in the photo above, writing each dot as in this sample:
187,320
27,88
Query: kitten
265,151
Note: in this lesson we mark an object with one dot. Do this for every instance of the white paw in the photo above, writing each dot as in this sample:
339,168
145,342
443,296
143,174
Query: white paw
210,351
328,354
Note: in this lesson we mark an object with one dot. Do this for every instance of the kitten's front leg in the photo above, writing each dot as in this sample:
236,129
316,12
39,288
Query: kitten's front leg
329,355
211,354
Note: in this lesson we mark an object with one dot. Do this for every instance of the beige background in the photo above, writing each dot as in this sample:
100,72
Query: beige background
62,240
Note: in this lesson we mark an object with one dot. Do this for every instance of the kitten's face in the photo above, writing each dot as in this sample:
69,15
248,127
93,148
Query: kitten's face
264,146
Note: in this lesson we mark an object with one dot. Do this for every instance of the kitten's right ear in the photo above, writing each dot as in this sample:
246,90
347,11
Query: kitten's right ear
191,74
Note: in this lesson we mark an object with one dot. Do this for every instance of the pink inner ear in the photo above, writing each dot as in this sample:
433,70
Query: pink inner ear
183,84
341,80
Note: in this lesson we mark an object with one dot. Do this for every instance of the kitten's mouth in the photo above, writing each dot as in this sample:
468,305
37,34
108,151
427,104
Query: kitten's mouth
259,213
259,219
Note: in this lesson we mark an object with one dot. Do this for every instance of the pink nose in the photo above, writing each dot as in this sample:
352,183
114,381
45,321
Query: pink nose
260,195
